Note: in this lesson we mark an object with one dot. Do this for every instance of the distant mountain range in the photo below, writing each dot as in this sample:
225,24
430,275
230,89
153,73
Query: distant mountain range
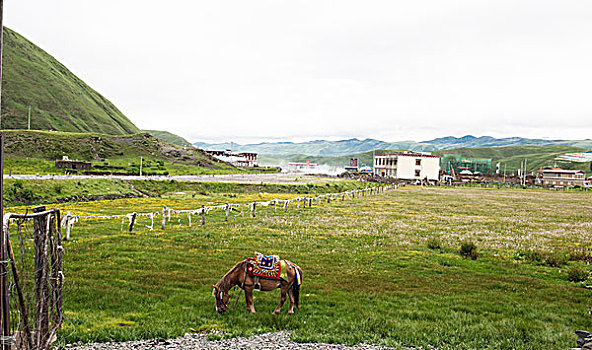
353,146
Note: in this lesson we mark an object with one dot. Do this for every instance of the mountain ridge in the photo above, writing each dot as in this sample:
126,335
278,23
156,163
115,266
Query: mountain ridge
354,146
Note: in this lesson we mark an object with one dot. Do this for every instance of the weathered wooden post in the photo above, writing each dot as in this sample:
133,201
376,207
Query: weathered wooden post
274,206
298,203
343,196
132,222
319,201
40,226
304,202
254,209
203,215
68,227
329,198
226,210
163,222
286,206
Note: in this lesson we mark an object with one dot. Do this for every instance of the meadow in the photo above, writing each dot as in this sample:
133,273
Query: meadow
383,269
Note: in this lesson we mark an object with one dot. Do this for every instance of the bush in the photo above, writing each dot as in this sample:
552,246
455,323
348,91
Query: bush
58,188
469,250
577,274
555,260
434,243
529,255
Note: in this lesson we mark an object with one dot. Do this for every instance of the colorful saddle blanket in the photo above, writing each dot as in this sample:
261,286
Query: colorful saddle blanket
267,266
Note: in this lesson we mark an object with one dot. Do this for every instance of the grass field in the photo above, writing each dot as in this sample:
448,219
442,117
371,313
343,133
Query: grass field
369,275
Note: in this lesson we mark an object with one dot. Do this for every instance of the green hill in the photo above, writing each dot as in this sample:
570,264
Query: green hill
59,99
169,137
509,156
35,152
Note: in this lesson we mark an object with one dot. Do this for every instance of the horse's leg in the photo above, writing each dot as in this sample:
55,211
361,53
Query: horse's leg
284,290
291,295
249,299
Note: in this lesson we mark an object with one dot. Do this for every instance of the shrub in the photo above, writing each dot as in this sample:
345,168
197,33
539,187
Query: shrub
529,255
555,260
434,243
58,188
469,250
581,255
577,274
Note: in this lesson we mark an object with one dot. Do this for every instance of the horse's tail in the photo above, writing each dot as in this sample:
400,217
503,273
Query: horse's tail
296,287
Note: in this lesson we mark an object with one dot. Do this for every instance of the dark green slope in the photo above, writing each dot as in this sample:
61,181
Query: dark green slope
59,100
169,137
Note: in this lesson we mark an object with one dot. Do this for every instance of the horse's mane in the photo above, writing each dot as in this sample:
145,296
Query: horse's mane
224,281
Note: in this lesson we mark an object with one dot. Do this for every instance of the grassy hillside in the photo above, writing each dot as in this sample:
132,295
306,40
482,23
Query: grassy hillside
169,137
510,156
59,99
35,151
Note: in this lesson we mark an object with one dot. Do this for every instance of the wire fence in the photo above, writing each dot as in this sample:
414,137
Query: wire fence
34,276
128,220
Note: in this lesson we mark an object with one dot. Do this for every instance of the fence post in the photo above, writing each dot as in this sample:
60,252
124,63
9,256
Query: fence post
40,225
226,209
163,222
343,196
286,206
298,203
319,201
132,222
68,214
329,198
203,215
274,206
304,202
254,208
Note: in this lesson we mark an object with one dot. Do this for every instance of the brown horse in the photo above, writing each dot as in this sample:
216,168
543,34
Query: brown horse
238,276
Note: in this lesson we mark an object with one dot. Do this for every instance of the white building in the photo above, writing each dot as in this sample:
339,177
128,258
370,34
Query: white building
407,166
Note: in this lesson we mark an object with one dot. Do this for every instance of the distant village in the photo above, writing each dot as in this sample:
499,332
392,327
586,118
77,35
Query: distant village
423,167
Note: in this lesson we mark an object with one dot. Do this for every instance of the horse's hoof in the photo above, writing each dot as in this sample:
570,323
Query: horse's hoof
290,312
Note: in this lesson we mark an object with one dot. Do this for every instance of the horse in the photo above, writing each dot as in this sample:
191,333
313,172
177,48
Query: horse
238,276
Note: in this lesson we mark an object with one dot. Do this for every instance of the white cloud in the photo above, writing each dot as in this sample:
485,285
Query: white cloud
393,70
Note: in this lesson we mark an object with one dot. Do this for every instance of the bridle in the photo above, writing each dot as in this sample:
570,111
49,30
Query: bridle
242,286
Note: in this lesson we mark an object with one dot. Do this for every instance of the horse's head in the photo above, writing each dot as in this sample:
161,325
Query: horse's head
222,299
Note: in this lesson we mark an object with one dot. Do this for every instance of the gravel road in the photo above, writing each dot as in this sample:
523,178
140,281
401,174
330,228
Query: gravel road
268,341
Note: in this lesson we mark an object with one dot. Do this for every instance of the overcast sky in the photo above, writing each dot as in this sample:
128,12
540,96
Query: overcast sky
250,71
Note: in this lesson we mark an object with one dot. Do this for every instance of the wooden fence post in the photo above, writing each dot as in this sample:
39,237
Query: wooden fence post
203,215
298,203
40,225
304,202
319,201
343,196
274,206
226,209
329,198
254,208
68,227
286,206
132,221
163,222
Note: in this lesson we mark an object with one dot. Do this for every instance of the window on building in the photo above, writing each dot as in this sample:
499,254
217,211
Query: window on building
418,162
417,173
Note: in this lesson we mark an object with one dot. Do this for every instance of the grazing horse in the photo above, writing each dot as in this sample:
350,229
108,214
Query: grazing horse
239,276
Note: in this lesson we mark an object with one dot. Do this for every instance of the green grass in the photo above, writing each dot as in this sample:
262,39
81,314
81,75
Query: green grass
59,99
169,137
31,152
369,275
29,192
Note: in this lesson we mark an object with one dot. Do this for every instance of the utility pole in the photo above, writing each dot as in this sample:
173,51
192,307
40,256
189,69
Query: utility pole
505,165
29,124
141,166
525,163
